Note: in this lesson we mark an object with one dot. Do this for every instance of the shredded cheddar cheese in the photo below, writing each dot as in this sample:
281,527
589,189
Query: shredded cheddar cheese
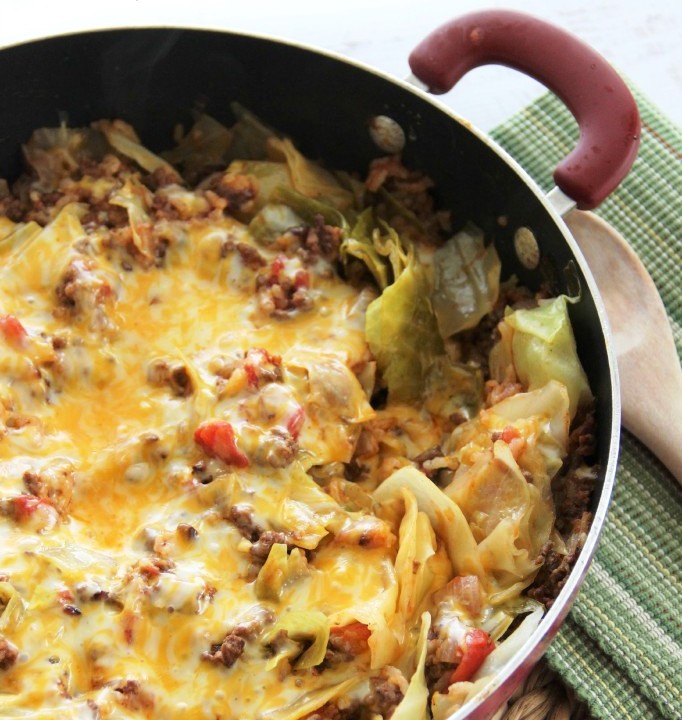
218,497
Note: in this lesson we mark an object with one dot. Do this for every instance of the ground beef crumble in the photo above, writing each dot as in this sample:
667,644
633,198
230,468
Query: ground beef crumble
239,191
233,644
8,654
312,242
573,488
133,696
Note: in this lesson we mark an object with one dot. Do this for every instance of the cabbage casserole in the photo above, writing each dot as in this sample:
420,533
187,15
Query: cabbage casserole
276,442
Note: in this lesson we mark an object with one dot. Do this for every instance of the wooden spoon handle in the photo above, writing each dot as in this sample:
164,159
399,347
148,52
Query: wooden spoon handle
648,364
655,414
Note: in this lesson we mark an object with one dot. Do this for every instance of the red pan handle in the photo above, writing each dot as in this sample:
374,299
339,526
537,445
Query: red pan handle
591,89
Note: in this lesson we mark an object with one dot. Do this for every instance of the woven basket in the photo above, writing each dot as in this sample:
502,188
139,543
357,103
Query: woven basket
543,697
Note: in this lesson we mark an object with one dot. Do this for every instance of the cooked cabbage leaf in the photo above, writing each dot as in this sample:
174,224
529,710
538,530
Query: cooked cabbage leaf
72,560
419,567
444,705
305,626
403,211
510,646
550,408
308,702
306,511
205,145
510,517
278,570
506,496
360,245
123,138
11,607
135,199
540,346
47,250
466,282
445,516
273,220
56,153
18,236
379,615
268,177
309,178
307,207
335,404
414,704
379,246
250,135
402,333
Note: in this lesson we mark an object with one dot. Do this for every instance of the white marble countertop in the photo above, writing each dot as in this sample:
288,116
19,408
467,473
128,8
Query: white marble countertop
642,40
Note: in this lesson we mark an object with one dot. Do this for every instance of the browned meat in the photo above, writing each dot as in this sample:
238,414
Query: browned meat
161,177
280,294
261,548
175,375
310,242
133,696
231,648
89,591
82,292
8,653
54,484
331,711
572,495
103,214
387,690
241,516
277,448
557,566
251,257
151,568
497,391
572,488
239,191
201,472
261,367
582,440
407,190
187,532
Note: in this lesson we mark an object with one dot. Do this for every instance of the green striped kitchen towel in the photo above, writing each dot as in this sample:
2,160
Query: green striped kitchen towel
621,646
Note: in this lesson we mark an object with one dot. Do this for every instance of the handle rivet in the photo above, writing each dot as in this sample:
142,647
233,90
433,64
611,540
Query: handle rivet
387,134
526,248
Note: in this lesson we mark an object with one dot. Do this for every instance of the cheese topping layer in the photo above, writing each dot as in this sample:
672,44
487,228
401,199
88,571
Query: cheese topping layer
202,515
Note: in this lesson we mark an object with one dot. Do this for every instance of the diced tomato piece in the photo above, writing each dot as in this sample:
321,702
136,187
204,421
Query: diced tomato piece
295,423
14,332
276,267
477,646
354,637
26,505
65,595
257,362
216,437
510,433
302,279
251,374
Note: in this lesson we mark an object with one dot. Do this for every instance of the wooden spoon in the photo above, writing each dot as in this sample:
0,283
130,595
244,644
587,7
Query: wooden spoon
649,368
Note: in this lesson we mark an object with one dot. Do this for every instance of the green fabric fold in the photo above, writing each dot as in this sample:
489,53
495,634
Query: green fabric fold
621,646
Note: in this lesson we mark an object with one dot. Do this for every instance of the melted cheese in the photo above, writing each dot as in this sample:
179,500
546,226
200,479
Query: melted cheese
89,404
177,536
